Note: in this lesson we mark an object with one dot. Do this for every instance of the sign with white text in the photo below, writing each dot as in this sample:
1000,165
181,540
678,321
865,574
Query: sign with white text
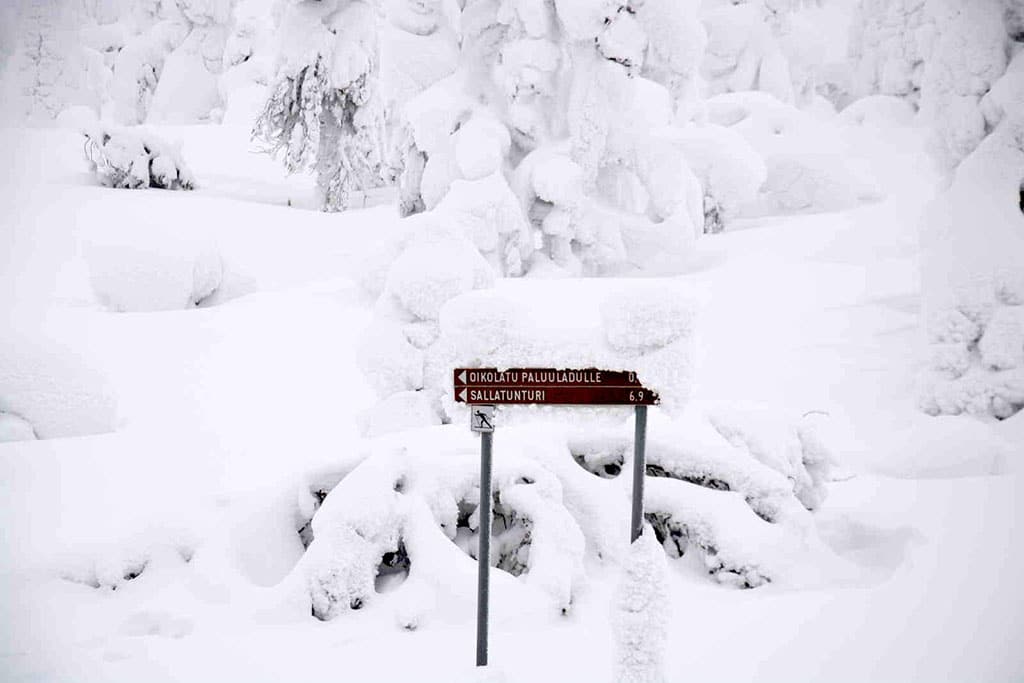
549,386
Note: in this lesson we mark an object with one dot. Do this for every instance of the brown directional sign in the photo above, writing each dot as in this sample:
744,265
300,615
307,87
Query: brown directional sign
550,386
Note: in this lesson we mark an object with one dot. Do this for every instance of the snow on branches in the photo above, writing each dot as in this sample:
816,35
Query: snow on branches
324,110
135,159
405,520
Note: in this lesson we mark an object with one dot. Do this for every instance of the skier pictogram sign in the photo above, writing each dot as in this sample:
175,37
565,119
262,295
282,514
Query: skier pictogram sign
484,388
481,419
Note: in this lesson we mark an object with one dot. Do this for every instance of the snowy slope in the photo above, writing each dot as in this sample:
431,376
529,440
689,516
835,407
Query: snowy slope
156,549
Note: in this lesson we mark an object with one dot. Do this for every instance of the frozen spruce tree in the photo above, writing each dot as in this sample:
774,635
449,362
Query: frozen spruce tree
49,69
325,111
761,45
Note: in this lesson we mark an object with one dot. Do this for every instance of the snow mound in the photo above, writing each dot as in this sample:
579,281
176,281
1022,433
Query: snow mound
945,447
809,166
729,169
50,390
155,267
640,613
135,159
880,111
802,182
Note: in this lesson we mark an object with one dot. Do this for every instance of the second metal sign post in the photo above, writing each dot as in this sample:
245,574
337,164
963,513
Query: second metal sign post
482,388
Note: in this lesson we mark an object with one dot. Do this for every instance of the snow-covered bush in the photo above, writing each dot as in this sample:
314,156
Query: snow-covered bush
325,111
51,389
135,159
973,282
151,267
878,111
807,165
407,520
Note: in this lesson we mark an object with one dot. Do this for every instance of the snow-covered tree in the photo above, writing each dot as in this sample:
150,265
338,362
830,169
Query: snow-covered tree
50,68
973,280
325,109
179,42
888,44
941,55
761,45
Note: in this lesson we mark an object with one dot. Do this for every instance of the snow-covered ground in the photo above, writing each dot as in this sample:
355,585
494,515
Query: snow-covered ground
147,536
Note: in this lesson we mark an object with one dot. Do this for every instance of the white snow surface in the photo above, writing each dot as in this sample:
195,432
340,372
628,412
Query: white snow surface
156,528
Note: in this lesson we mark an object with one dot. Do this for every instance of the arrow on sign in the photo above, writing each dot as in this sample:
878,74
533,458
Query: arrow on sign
462,377
464,395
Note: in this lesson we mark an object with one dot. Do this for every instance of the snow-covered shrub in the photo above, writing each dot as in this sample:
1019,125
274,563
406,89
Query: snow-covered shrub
406,520
731,172
151,267
878,111
974,290
51,389
135,159
807,166
735,484
324,110
640,613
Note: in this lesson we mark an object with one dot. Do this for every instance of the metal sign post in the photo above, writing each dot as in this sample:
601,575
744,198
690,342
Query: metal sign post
482,421
639,470
482,388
